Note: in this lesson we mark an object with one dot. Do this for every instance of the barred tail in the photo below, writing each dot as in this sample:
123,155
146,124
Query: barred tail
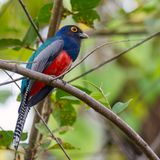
22,115
20,124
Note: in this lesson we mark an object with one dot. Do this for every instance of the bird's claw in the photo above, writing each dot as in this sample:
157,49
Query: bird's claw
64,82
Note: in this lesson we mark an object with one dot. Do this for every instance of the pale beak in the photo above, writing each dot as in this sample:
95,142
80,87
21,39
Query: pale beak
83,35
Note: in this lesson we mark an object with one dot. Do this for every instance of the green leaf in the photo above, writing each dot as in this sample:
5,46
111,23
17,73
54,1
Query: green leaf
99,94
71,99
42,128
19,97
83,89
45,13
83,4
65,145
62,95
119,106
30,36
10,43
45,143
6,138
24,136
4,95
65,114
66,13
86,17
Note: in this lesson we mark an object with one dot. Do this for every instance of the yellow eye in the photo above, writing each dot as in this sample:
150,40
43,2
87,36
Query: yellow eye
74,29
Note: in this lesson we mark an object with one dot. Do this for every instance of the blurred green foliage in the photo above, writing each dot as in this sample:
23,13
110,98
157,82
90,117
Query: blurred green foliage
4,95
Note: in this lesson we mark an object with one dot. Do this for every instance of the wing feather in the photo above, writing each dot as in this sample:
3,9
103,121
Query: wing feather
42,58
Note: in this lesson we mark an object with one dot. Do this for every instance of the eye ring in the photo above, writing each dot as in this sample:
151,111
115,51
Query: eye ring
74,29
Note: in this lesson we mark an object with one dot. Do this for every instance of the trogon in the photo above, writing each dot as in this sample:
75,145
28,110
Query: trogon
53,57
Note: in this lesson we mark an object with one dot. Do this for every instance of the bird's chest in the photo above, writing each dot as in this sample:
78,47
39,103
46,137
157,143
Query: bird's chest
60,64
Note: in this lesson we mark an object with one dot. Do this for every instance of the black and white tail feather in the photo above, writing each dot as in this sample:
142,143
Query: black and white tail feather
22,115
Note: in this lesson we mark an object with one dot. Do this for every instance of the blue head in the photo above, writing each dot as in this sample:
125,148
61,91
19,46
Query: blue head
72,36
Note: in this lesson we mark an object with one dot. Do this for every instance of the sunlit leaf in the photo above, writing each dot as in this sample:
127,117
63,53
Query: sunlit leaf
62,95
119,106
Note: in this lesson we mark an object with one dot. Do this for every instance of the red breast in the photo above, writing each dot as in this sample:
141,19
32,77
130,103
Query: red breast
61,63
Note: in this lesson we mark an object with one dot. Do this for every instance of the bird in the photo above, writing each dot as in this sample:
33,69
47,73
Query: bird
53,57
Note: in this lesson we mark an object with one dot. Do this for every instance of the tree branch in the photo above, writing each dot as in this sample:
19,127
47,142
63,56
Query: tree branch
55,17
88,100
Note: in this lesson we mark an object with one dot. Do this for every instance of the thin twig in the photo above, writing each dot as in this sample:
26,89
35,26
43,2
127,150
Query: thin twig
14,80
31,20
52,135
116,57
116,33
11,78
97,106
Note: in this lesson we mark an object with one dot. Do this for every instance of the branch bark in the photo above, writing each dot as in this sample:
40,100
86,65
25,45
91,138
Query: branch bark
55,17
98,107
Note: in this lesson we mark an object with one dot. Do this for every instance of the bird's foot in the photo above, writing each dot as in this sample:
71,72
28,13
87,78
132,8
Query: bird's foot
64,82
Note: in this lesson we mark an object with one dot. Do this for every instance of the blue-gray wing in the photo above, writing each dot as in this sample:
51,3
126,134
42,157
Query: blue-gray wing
47,55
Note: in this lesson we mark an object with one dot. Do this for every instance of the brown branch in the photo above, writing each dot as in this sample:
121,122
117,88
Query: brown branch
55,17
88,100
155,146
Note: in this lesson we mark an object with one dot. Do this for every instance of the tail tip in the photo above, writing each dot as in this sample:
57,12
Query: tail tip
16,142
